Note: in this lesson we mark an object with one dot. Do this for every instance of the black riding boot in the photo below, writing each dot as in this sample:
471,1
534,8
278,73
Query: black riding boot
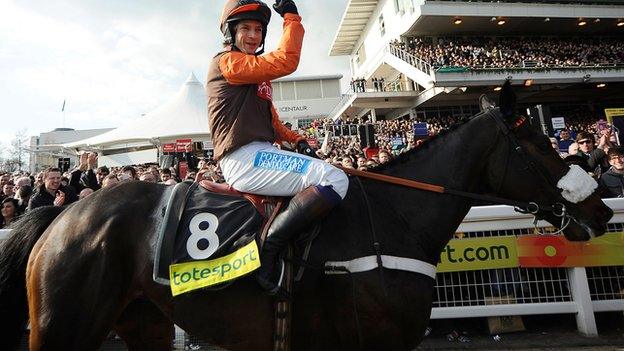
304,208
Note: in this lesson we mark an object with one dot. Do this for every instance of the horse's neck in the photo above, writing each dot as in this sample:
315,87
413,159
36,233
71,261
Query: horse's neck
454,160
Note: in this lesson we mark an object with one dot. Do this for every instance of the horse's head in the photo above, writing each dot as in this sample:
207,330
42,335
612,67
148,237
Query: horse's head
525,167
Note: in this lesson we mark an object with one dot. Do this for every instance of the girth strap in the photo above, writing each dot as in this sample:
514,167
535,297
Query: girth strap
368,263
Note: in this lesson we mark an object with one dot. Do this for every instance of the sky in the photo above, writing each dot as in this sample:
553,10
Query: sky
112,61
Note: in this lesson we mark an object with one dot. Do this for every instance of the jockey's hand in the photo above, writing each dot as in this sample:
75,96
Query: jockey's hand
304,148
283,7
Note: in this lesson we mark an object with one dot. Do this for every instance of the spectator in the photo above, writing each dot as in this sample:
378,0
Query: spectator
21,181
384,157
23,195
613,179
7,190
110,180
85,193
129,172
573,149
51,192
148,177
39,180
85,175
564,139
4,179
165,175
596,158
9,212
100,174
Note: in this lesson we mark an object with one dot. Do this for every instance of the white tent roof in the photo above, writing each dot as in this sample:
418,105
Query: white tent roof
185,115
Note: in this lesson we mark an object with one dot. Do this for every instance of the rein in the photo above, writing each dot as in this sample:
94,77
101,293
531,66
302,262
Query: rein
520,206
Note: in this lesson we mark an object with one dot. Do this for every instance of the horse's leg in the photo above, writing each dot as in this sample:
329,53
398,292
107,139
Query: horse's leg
144,327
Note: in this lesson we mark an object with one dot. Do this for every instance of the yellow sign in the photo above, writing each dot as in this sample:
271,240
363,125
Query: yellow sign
188,276
556,251
613,112
531,251
479,253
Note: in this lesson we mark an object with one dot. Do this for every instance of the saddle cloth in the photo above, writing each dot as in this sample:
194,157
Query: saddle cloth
207,237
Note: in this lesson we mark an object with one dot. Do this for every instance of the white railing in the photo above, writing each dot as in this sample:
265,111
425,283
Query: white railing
344,100
412,59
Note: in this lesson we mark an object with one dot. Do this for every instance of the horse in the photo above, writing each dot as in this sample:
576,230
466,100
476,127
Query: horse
76,274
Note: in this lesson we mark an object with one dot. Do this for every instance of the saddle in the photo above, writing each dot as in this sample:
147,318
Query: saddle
195,212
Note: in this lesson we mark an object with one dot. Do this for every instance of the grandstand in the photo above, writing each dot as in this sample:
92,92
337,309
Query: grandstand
423,59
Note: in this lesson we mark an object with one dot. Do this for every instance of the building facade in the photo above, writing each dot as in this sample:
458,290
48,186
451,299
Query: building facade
384,41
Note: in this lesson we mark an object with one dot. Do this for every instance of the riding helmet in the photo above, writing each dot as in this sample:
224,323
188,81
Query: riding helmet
238,10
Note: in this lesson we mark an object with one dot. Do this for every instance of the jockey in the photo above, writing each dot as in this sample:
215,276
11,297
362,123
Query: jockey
245,125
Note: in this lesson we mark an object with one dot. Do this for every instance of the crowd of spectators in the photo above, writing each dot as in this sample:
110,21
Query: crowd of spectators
514,52
585,141
22,191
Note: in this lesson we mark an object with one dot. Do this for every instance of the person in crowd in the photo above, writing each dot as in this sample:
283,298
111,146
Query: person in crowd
110,180
165,175
39,180
613,179
244,125
564,139
85,192
148,177
361,161
573,149
384,157
22,181
347,162
596,158
51,192
23,195
83,174
4,179
9,212
129,173
555,145
8,190
100,174
190,158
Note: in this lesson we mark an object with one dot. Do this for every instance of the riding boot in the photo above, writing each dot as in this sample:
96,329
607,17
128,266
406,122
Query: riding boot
304,208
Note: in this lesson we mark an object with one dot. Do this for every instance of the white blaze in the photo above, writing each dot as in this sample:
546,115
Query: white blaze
577,185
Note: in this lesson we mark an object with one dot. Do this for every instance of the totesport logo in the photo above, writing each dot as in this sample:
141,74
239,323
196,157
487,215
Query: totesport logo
188,276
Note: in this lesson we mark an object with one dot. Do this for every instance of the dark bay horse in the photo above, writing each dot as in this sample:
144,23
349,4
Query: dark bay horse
88,269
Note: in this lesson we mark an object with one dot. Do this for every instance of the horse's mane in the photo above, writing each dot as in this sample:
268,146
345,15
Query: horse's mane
405,156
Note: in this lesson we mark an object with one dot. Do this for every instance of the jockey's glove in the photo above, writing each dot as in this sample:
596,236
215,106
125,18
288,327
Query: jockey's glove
285,6
304,148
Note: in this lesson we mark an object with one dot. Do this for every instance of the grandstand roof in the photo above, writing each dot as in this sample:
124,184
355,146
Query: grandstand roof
354,20
436,18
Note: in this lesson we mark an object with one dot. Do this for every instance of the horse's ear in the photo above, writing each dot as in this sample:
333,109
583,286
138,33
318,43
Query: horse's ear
507,101
486,103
